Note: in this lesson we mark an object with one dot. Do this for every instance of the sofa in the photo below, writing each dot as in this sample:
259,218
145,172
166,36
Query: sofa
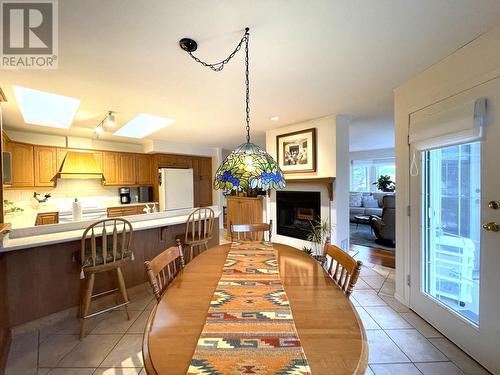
365,204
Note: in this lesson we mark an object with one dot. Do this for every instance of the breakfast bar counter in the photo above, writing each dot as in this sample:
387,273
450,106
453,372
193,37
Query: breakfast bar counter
43,276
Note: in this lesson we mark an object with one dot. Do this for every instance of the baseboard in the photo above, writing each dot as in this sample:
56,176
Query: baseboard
5,339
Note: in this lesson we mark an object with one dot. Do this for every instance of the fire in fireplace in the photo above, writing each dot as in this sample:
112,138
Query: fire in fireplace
296,212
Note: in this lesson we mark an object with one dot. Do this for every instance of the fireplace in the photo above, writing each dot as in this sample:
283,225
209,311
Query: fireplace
296,211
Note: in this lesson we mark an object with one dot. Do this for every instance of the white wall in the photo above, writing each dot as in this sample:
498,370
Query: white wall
371,134
73,142
325,141
473,64
332,140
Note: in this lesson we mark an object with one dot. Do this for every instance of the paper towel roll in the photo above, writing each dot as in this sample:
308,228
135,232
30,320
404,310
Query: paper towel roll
77,210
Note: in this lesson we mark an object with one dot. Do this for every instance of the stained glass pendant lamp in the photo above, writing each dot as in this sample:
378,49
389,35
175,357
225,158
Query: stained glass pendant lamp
248,168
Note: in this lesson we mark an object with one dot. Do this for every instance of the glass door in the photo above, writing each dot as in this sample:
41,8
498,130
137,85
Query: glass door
450,228
455,237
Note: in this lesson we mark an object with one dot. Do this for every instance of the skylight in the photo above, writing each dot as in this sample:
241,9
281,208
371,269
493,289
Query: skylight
46,109
143,125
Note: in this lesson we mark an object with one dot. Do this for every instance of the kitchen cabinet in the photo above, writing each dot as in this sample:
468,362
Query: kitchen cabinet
143,171
174,161
205,182
22,164
47,218
127,210
126,169
110,165
45,166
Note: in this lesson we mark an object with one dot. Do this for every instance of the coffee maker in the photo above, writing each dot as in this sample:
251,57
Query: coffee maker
124,195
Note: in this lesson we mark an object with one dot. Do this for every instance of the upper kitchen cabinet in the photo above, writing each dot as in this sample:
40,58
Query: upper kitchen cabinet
126,171
174,161
22,164
110,168
45,166
143,171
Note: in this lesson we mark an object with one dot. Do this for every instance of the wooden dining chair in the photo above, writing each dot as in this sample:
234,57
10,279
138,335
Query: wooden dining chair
199,230
346,270
163,268
253,232
105,246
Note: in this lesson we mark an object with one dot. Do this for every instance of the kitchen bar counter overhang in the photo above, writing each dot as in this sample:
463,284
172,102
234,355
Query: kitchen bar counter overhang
24,238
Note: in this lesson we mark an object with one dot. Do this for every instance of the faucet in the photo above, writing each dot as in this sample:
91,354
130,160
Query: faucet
43,200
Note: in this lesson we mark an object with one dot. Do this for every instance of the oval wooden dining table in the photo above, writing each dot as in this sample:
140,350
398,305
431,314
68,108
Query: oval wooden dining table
329,328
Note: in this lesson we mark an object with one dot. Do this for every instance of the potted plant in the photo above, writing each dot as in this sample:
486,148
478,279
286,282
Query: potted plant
318,235
385,184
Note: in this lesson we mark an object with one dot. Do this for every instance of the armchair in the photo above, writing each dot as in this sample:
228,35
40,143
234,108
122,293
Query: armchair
385,227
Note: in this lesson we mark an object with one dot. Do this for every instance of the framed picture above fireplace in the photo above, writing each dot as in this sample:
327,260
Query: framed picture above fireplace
297,151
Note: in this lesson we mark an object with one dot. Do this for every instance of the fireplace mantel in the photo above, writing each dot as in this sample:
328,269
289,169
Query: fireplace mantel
327,181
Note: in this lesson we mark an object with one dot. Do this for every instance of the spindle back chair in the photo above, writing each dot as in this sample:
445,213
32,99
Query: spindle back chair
347,269
163,268
253,232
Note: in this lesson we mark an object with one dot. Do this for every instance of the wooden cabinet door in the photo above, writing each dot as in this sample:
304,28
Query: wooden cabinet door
144,174
174,161
126,169
45,166
205,183
47,218
110,168
22,164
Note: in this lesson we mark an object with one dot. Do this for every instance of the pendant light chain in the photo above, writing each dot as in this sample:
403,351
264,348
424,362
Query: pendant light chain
247,84
217,67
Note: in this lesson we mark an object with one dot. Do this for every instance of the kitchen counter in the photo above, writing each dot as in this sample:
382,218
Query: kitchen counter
24,238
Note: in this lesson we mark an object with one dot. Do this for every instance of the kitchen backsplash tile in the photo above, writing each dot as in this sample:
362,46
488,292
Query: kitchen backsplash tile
90,192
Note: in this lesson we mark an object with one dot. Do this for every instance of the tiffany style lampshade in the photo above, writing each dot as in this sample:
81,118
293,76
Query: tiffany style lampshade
248,167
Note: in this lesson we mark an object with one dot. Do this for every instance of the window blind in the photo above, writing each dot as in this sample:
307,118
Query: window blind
431,128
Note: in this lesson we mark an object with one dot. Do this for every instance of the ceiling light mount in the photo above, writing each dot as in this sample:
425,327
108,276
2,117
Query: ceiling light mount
108,121
188,44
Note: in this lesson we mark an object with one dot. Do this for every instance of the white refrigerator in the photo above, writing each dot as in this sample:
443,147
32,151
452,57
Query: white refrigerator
176,189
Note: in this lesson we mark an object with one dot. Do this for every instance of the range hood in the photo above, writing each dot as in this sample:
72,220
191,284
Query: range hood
82,165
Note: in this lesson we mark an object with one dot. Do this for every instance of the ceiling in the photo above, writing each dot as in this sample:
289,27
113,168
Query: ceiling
307,59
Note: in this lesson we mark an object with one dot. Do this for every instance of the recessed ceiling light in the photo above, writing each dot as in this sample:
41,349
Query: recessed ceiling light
46,109
143,125
274,118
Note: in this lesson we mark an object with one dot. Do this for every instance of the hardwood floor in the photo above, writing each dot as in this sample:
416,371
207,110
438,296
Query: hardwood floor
374,256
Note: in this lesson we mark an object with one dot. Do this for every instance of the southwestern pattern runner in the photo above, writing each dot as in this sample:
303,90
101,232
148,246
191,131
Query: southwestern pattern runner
249,327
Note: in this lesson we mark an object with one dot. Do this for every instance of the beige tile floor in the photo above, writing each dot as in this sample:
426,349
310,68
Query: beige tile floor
400,342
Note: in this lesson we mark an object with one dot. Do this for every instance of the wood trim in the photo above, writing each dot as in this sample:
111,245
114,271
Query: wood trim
327,181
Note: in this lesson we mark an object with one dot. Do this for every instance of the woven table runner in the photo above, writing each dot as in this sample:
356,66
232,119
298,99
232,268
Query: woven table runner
249,327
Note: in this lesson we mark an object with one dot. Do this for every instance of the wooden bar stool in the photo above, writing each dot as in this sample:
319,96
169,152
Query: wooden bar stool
199,230
105,246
